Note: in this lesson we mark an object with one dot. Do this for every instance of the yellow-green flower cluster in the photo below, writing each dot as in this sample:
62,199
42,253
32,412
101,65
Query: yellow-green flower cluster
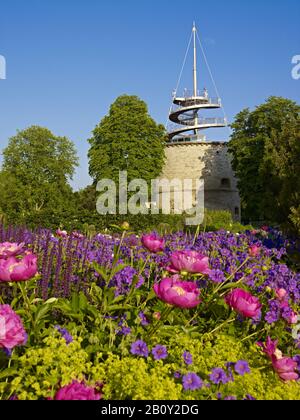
41,371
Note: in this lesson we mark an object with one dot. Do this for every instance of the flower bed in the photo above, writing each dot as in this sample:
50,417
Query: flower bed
213,316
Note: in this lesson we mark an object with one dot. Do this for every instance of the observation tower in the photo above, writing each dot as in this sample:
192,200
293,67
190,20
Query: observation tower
189,153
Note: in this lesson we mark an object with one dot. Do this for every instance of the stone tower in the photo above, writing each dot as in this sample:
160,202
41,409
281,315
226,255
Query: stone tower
189,155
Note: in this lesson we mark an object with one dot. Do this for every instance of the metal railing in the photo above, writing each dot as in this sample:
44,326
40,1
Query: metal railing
213,121
209,122
188,139
188,93
190,102
193,139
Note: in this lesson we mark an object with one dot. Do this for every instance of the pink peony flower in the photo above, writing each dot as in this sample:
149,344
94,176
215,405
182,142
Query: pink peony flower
190,262
153,242
12,332
281,294
285,368
77,391
254,251
77,235
62,233
8,249
244,303
18,270
269,348
178,293
293,319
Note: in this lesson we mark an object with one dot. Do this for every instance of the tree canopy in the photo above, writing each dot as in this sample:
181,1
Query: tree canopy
265,145
37,168
127,139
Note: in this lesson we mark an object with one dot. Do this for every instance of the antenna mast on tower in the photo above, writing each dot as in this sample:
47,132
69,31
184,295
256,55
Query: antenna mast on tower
195,60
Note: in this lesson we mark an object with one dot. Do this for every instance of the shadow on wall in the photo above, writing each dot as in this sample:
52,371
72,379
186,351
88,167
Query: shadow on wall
221,191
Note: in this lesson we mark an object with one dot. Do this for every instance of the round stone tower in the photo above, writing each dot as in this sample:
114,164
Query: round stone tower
210,162
189,155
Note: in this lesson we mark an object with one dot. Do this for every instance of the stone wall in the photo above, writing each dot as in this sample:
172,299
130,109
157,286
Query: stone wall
208,161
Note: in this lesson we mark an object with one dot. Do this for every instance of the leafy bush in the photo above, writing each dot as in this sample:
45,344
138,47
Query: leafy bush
295,219
215,220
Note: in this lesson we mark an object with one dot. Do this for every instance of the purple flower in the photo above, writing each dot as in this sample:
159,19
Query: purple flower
122,281
242,367
7,352
249,398
230,398
229,367
65,334
144,320
271,317
217,276
188,358
191,382
177,375
218,376
124,331
160,352
139,348
297,360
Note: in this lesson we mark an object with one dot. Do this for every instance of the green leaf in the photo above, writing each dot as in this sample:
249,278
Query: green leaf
6,373
75,302
114,308
83,301
51,300
101,270
41,312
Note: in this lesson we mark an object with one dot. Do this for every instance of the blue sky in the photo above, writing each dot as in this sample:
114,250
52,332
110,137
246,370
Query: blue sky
67,60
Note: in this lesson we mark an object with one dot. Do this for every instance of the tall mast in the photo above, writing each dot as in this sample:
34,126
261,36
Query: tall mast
195,76
195,61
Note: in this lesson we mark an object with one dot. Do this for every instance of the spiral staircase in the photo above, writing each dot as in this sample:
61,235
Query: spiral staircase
186,123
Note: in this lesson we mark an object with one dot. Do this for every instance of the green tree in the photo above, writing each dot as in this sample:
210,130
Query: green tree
127,139
266,153
37,168
86,199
